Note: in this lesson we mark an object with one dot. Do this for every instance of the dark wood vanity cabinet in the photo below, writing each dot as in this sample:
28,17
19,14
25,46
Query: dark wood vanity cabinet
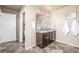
43,39
52,36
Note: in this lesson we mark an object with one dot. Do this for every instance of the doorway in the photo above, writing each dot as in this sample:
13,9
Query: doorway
23,41
7,27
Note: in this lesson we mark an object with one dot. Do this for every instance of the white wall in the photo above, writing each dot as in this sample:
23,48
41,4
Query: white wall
58,17
30,17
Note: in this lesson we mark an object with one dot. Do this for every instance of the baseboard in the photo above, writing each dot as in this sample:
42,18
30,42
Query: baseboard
68,43
31,46
7,42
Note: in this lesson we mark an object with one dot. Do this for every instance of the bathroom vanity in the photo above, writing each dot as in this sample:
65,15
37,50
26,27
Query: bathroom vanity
45,37
45,34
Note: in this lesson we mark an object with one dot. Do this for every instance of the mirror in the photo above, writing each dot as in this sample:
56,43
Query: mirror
42,22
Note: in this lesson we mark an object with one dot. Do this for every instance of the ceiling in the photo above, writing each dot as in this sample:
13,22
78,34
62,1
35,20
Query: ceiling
13,7
45,8
49,8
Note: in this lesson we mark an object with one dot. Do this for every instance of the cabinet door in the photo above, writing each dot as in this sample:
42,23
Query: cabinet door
46,38
38,38
53,36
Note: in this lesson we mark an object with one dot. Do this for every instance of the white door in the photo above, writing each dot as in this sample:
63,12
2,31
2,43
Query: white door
7,27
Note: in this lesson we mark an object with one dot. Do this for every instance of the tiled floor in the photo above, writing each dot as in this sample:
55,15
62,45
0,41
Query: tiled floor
16,47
